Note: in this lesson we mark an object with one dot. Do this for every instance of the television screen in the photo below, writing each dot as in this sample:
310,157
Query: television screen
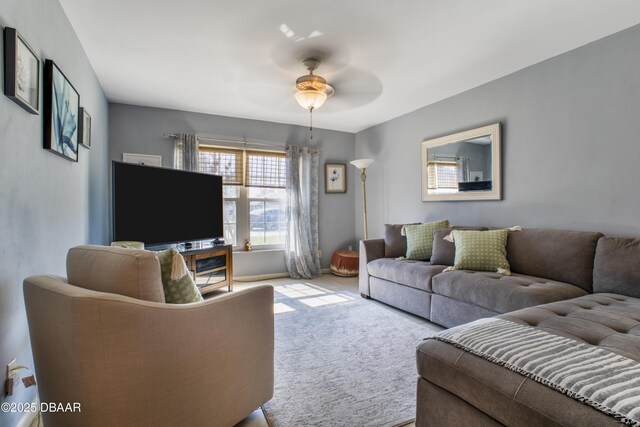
157,205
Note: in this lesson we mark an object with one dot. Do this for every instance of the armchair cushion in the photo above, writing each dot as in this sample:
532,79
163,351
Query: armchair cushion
129,272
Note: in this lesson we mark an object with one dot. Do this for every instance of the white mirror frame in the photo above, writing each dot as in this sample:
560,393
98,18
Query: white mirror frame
496,193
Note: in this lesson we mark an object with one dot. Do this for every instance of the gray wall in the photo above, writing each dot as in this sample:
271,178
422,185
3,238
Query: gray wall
140,130
47,203
571,146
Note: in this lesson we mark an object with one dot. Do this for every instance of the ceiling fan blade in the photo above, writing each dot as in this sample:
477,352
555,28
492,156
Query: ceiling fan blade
290,54
354,88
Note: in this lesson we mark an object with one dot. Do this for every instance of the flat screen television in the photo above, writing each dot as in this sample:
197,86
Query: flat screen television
159,206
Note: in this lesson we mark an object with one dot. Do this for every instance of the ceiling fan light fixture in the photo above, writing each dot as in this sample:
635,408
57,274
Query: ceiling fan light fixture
310,98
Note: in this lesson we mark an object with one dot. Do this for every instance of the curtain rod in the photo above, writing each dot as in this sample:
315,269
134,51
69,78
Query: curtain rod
242,141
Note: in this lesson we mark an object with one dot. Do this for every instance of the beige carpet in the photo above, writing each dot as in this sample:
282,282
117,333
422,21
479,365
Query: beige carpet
341,359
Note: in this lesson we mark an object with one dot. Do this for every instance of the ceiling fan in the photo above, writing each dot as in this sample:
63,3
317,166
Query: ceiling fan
312,90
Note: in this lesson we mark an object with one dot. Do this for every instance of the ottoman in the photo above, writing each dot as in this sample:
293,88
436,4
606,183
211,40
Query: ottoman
345,263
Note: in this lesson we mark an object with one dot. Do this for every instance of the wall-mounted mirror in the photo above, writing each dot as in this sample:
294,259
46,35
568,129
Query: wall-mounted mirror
462,166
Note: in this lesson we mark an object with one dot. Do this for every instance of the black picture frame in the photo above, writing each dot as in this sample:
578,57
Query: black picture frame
21,72
84,128
61,113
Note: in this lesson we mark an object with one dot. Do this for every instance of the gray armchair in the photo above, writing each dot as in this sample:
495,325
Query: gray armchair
131,361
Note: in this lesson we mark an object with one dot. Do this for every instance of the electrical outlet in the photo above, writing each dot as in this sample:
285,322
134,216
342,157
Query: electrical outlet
350,247
319,253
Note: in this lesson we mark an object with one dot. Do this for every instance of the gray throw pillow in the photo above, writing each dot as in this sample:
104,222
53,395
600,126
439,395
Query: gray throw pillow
444,252
616,268
395,244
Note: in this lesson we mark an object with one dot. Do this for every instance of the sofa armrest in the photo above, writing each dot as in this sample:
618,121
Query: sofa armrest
369,250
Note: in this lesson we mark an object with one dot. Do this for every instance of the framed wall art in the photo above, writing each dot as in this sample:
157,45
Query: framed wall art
61,113
142,159
21,71
84,132
335,178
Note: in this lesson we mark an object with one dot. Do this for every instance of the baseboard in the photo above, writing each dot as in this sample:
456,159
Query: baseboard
269,276
257,277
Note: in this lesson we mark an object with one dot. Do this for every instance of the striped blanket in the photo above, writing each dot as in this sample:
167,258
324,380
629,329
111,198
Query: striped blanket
597,377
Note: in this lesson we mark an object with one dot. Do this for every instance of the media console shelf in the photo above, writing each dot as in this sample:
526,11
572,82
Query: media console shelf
210,265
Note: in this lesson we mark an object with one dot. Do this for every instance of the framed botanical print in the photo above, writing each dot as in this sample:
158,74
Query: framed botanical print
61,113
84,132
335,178
21,71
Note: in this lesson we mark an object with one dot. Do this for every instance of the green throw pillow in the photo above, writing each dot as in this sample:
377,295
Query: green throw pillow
420,238
481,250
182,290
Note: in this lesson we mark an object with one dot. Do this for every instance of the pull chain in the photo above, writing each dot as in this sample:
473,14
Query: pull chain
311,124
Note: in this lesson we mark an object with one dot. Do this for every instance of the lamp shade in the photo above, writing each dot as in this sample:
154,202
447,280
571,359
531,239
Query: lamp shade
362,163
310,98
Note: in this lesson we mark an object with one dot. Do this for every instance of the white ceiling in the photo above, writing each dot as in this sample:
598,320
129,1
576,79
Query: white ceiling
241,57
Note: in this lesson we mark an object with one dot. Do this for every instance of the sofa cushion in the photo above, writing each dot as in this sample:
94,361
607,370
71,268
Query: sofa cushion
617,266
501,293
444,251
395,244
420,238
129,272
416,274
564,256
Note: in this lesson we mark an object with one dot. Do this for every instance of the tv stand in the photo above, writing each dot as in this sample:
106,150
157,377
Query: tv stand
210,265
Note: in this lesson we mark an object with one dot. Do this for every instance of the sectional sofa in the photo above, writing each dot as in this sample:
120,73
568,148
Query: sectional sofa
577,285
546,265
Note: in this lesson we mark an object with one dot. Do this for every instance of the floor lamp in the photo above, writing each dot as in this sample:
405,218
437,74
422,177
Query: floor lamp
363,164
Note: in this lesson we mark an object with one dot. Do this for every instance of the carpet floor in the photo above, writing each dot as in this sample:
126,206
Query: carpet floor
341,360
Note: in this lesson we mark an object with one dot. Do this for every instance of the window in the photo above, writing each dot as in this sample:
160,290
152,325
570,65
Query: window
442,176
267,215
254,193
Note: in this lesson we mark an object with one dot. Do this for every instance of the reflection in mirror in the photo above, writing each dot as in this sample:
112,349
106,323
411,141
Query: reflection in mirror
462,166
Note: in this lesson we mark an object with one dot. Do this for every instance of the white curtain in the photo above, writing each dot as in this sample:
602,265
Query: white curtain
463,169
186,152
301,244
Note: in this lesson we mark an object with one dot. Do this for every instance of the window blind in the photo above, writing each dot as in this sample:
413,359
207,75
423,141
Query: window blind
224,162
442,175
265,169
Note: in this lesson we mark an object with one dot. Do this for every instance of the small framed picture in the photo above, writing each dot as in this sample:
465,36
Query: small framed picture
61,113
84,132
21,72
142,159
335,178
476,176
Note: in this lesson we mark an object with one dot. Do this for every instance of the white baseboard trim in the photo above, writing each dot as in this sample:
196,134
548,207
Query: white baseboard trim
257,277
270,276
